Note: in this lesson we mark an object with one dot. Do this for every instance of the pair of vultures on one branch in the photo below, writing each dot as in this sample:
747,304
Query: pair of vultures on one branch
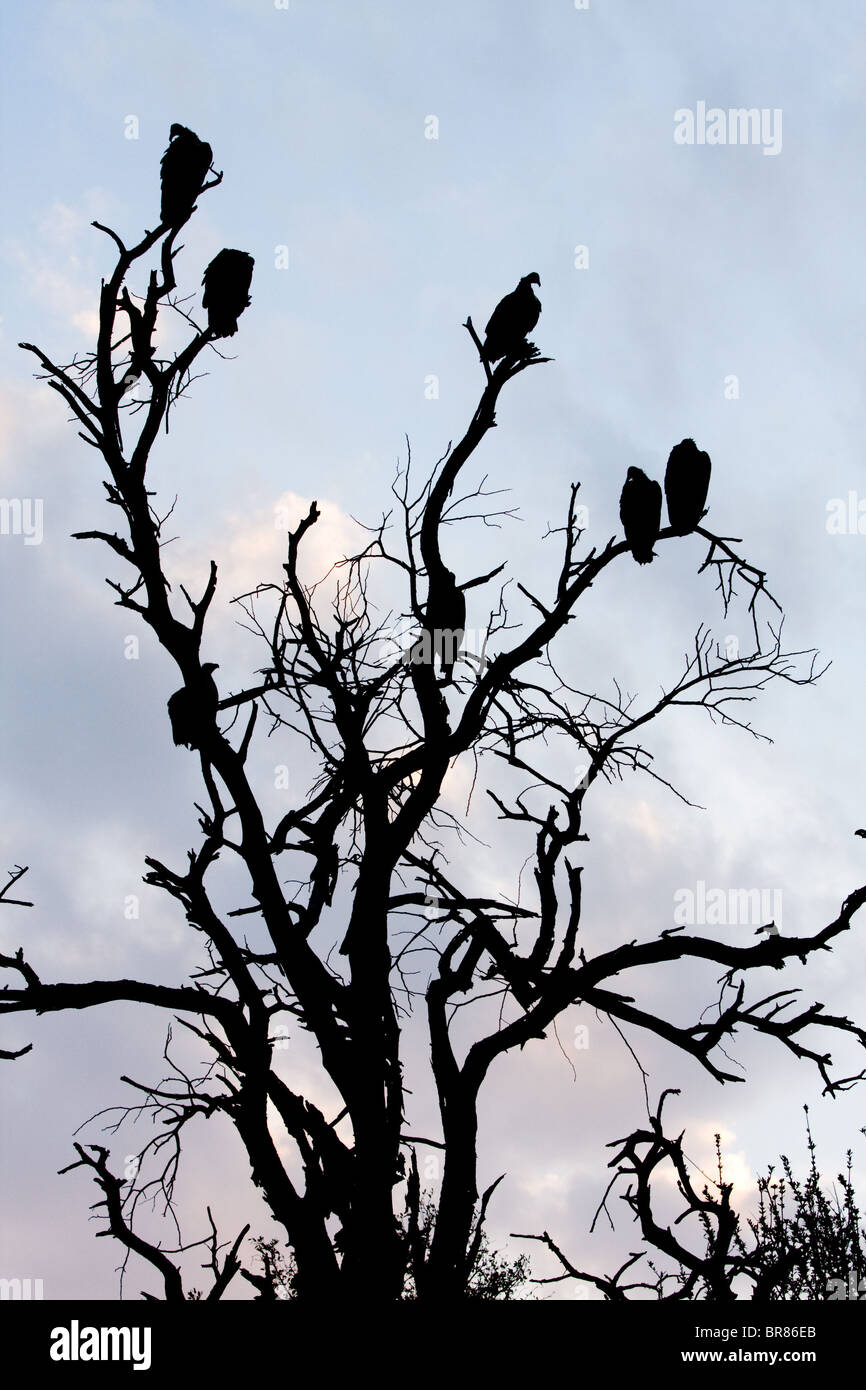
687,482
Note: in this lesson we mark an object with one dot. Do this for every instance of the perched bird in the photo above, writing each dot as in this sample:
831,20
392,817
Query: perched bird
687,481
191,708
444,624
513,318
183,170
227,283
771,930
446,620
640,510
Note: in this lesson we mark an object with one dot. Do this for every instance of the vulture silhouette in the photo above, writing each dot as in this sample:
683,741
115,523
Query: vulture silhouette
183,170
191,708
446,620
227,283
687,482
513,318
640,510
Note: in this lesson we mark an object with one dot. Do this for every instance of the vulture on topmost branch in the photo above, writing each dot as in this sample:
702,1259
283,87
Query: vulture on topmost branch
227,283
191,709
687,481
513,318
183,170
640,510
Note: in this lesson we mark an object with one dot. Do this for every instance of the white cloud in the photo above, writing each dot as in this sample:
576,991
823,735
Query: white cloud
251,549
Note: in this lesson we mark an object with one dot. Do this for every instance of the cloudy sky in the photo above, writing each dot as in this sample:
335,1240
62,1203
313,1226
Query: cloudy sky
416,160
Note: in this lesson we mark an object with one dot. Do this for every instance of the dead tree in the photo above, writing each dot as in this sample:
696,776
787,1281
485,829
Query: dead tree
15,962
373,832
813,1248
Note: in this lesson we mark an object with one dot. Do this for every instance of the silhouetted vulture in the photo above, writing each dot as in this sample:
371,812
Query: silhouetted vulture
191,710
446,620
183,170
444,624
511,320
227,283
687,481
640,510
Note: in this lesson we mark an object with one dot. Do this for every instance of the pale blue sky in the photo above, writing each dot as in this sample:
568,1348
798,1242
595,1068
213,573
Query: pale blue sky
555,130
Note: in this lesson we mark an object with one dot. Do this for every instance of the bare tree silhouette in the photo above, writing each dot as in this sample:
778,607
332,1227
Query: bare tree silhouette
802,1244
373,835
15,962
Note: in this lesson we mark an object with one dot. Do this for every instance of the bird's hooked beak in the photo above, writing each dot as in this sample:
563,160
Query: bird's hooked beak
534,278
210,666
